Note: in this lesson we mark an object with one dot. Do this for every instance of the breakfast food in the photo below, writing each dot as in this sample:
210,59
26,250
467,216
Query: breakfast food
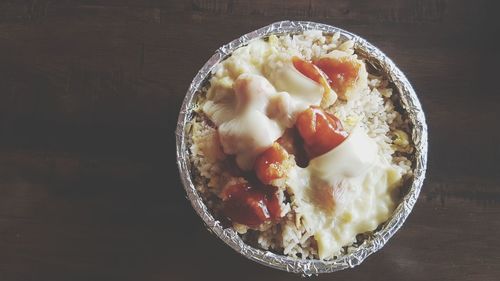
297,145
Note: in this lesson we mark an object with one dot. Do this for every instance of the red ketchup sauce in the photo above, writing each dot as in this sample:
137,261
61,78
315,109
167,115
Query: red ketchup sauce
269,164
320,131
311,71
251,205
341,72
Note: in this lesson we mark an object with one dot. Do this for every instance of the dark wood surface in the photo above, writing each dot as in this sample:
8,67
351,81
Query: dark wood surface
89,97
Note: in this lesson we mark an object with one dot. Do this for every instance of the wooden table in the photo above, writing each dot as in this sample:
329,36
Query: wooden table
89,97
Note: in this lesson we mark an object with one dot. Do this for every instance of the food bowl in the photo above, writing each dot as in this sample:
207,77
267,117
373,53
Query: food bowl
409,104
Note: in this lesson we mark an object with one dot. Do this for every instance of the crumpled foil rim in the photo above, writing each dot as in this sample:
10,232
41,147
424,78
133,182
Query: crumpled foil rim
409,102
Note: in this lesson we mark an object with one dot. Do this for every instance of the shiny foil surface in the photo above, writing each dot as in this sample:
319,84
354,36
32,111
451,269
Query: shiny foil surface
409,103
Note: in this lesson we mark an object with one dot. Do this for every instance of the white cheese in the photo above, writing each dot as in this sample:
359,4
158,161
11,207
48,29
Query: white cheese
286,78
337,200
351,158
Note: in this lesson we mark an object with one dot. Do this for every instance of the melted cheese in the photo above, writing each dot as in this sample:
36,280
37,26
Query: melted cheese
286,78
344,192
254,96
351,158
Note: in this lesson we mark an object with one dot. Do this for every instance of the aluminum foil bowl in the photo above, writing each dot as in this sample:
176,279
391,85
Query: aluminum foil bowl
409,102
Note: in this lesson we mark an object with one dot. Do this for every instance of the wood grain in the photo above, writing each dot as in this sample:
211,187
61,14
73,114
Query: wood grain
89,96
